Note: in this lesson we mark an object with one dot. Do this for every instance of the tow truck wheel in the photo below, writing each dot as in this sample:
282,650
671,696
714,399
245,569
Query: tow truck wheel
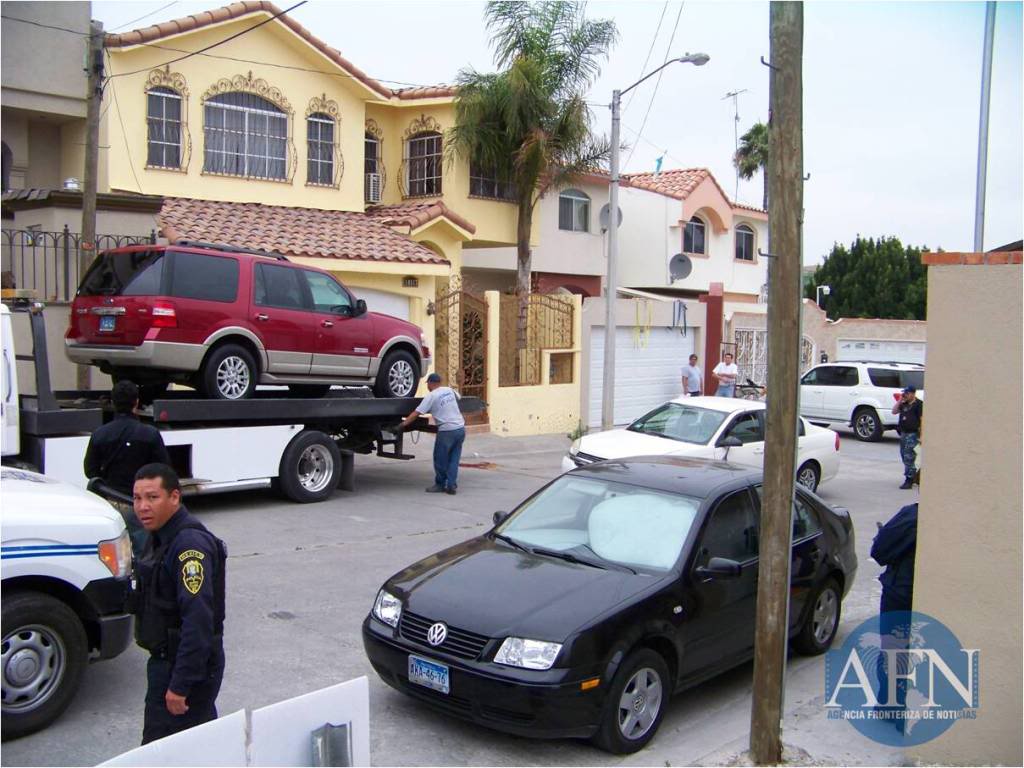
44,655
310,467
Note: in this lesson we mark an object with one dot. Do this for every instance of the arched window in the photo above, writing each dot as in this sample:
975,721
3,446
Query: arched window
320,149
693,236
574,211
744,243
371,169
163,128
423,164
245,135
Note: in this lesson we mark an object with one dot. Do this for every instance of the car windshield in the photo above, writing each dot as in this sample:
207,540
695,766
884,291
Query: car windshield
116,273
676,421
599,520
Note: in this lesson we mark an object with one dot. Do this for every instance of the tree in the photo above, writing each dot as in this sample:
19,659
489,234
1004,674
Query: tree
529,123
752,156
873,278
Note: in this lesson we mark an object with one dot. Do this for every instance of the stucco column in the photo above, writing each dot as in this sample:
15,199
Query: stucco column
713,301
493,301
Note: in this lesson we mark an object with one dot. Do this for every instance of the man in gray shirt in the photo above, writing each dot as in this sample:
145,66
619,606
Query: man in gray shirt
692,378
443,404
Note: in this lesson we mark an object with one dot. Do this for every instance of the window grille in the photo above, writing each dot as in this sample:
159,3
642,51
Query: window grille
245,135
423,165
163,128
483,182
320,149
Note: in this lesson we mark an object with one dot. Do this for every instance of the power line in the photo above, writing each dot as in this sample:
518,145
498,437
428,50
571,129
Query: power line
657,83
145,16
649,52
213,45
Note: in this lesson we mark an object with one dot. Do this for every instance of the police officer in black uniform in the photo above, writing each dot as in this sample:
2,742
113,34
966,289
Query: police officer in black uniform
119,448
179,606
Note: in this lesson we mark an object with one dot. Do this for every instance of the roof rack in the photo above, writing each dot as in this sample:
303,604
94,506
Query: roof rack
231,248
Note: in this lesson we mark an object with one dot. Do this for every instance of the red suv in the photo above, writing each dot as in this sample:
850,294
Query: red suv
224,319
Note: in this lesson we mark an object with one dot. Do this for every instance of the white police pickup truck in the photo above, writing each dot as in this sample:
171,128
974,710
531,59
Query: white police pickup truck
66,563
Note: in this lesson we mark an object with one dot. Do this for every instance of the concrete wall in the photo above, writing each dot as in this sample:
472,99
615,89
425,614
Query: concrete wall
968,567
652,233
42,68
531,410
826,333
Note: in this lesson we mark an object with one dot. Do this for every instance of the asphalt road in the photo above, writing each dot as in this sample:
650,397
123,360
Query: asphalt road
301,579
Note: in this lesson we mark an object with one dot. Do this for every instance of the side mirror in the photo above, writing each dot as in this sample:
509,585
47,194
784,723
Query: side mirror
360,308
499,518
729,442
719,568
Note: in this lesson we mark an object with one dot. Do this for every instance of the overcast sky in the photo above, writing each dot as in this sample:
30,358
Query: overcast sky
891,97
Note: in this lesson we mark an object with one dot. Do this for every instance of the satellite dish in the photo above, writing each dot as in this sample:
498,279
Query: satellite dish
605,216
679,267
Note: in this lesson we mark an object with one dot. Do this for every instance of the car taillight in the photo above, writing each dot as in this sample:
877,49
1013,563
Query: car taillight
164,315
837,441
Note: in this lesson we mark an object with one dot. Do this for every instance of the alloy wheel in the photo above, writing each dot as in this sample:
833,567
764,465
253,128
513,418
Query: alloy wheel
640,703
316,468
232,377
826,610
400,378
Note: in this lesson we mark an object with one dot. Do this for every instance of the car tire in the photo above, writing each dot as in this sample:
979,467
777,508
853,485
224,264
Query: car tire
310,467
866,425
229,373
398,375
641,682
823,613
44,655
308,391
809,475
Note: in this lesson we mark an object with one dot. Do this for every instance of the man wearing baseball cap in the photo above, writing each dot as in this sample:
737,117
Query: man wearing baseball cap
443,404
910,411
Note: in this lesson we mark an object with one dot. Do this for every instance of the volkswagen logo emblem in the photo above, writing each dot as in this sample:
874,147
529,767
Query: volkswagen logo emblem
437,634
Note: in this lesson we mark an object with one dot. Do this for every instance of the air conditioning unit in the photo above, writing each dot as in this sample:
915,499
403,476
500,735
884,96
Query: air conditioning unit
372,192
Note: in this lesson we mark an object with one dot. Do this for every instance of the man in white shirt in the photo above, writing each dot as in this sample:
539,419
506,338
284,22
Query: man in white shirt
725,373
692,378
443,404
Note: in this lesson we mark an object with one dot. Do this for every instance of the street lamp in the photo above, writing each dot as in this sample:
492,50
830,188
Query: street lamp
608,395
820,290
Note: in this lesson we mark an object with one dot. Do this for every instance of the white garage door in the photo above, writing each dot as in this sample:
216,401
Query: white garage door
384,302
646,374
881,351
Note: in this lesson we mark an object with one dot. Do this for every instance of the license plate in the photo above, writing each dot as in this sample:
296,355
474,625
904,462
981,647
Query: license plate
107,323
429,674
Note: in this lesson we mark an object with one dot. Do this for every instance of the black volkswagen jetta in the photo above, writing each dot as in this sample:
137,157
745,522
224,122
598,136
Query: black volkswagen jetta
611,588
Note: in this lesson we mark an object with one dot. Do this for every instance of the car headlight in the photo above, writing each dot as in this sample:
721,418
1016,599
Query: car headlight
528,654
575,447
387,608
116,554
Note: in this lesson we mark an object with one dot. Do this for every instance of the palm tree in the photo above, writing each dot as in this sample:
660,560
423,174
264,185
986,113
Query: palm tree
529,123
752,156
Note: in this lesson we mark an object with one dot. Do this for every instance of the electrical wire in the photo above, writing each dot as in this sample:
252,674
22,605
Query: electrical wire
214,45
649,52
657,83
145,16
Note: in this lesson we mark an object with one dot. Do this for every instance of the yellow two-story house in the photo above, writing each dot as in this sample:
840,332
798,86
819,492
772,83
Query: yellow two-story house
259,134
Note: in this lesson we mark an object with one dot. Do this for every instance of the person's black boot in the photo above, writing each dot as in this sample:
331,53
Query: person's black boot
907,485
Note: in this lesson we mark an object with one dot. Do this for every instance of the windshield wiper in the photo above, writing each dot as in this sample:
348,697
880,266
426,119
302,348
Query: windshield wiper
513,542
610,562
569,558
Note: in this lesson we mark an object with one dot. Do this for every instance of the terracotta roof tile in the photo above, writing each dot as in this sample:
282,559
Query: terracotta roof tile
237,10
416,213
679,183
306,232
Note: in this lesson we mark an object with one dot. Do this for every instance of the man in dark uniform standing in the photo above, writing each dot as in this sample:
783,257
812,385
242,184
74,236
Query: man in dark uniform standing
119,448
910,411
179,607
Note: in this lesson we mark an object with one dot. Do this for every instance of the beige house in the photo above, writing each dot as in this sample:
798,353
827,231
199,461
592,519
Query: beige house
969,553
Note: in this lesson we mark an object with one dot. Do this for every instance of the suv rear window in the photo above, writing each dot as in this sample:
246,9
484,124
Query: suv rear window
205,277
896,379
132,273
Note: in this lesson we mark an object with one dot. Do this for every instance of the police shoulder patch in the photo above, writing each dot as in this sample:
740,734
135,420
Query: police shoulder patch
191,553
192,575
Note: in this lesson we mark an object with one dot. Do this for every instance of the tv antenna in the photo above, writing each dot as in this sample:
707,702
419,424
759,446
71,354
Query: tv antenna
734,95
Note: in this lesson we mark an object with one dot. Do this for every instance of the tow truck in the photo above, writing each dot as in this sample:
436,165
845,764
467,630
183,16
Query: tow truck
304,447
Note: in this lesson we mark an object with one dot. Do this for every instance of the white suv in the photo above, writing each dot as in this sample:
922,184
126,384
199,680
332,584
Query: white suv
858,394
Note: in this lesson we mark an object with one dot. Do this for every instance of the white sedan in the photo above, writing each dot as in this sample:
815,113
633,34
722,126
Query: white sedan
702,427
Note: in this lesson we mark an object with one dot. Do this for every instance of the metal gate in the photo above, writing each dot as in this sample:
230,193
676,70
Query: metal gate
752,354
460,342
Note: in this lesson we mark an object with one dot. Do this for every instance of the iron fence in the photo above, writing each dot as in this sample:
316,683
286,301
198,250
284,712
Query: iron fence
48,262
545,322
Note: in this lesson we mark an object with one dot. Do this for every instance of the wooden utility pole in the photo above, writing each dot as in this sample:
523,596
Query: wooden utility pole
785,190
87,242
